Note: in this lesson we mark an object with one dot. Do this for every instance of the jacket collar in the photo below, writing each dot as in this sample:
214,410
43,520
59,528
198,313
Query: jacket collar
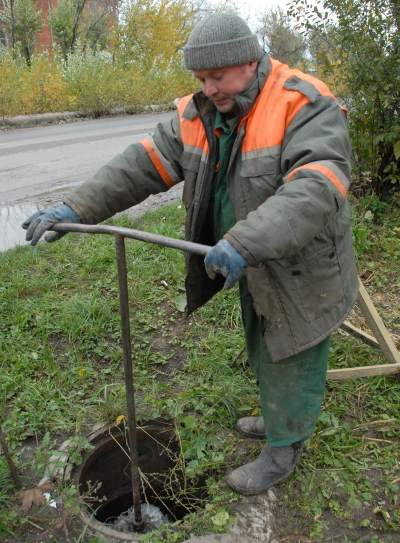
247,98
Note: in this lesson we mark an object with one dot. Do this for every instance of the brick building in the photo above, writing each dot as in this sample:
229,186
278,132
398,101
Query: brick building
45,40
44,37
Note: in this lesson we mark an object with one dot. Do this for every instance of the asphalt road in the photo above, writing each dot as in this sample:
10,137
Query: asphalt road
38,166
38,161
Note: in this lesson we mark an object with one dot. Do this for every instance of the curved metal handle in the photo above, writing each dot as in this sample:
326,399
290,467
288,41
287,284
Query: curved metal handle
188,246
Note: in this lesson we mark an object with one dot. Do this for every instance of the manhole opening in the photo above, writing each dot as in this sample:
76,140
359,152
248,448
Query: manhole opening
103,478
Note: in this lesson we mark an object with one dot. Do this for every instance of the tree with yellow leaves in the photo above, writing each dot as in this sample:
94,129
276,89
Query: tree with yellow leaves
152,32
82,21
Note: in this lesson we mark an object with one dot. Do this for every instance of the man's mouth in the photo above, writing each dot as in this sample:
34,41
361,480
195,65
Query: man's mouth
218,101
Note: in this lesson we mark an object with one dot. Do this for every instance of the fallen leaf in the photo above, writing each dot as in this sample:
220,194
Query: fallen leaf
180,303
384,514
119,419
34,496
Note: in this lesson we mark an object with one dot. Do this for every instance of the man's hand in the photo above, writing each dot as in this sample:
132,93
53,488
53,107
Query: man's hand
224,259
37,224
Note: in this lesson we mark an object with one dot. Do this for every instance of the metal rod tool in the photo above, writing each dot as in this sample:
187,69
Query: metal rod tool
138,522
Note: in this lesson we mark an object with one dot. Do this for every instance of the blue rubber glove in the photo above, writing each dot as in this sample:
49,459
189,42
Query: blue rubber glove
37,224
224,259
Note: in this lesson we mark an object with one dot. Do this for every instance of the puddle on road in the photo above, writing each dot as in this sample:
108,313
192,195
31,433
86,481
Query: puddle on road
13,215
11,218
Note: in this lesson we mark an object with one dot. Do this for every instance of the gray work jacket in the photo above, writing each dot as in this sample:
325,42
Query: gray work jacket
287,179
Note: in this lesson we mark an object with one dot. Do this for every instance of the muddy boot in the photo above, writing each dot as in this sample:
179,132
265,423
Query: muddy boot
273,466
251,427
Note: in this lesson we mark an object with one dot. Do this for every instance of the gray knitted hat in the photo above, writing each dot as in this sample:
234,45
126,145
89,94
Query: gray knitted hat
221,40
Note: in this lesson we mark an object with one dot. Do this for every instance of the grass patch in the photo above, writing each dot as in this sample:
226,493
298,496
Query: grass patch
61,371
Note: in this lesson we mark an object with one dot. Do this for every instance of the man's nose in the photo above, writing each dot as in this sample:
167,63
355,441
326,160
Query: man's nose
209,88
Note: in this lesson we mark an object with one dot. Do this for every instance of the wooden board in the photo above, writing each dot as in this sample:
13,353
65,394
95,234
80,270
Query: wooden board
360,334
382,341
377,326
364,371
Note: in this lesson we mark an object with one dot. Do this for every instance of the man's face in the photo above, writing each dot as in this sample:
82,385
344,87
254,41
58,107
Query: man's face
221,85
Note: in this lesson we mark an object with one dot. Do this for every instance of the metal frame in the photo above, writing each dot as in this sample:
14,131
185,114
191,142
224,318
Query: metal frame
383,340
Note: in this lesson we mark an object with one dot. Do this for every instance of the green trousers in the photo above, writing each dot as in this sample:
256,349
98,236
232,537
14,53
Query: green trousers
291,390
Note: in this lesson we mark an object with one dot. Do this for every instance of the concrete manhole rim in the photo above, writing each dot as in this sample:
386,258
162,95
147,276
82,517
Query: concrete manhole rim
99,527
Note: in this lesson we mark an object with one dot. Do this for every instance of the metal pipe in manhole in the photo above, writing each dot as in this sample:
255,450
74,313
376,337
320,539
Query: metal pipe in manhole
137,521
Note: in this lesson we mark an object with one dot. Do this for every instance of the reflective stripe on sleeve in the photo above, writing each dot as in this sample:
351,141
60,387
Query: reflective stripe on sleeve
162,165
329,170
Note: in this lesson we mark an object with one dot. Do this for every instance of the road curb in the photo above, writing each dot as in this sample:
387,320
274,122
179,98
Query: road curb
40,119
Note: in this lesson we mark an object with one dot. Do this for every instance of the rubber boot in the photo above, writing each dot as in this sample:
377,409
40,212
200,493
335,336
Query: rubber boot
273,466
251,427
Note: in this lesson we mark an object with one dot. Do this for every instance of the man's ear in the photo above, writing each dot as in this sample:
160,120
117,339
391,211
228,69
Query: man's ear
253,66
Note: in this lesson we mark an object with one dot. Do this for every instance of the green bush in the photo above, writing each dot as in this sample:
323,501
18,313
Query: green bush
92,81
360,52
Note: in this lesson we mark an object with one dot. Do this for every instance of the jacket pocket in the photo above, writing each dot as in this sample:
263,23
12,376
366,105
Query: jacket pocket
190,160
262,177
318,281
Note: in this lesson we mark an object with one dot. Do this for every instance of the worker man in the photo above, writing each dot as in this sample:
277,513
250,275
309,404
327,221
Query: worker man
264,152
